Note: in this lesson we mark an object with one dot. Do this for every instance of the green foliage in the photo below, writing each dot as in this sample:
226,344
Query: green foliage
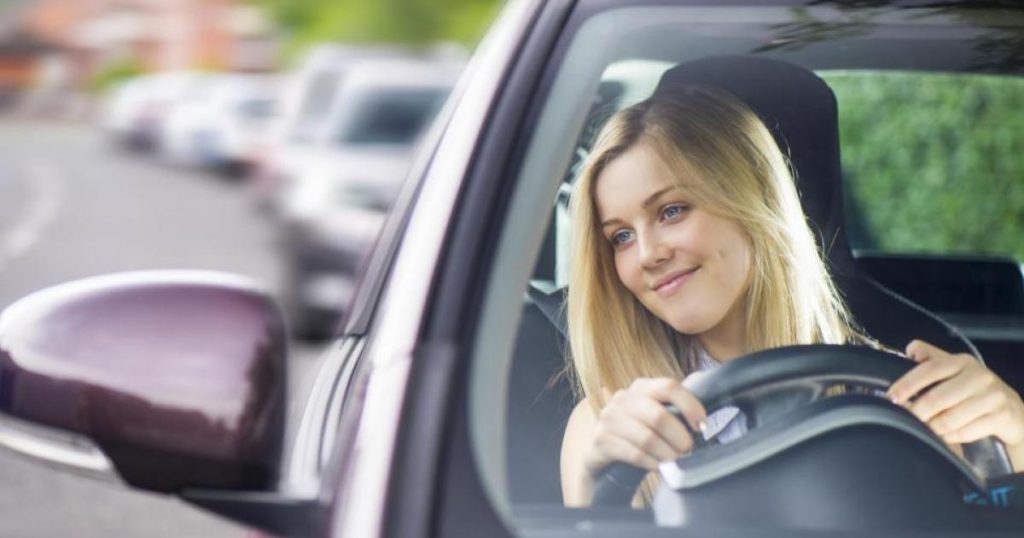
113,73
408,22
935,162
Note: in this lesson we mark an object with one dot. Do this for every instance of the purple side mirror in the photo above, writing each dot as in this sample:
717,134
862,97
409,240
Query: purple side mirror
176,377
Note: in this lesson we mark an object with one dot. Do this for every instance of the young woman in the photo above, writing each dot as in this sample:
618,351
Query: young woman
691,249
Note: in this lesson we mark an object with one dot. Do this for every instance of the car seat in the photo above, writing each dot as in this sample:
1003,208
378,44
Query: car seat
800,110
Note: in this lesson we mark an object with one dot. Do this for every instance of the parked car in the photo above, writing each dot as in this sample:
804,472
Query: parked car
306,101
122,110
332,211
134,112
221,124
309,102
435,411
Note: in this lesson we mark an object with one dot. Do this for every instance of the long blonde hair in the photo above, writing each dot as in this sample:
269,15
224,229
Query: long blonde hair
710,135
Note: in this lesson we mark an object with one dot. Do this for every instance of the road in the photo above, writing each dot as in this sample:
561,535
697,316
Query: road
72,206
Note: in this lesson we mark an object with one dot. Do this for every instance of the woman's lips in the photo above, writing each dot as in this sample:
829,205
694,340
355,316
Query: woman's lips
675,282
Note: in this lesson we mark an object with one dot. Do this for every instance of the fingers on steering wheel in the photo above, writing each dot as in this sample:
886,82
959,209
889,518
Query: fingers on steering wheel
957,418
923,376
641,418
977,429
671,391
661,423
945,396
624,420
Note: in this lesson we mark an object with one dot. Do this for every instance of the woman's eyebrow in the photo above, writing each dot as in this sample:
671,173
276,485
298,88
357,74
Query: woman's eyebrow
645,204
611,222
654,197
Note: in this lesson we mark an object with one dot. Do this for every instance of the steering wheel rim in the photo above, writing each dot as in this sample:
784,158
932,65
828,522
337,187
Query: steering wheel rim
810,367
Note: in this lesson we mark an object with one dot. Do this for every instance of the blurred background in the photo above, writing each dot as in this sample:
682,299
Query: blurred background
266,138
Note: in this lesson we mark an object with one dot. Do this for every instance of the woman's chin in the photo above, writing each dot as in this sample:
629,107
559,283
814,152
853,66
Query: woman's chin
690,327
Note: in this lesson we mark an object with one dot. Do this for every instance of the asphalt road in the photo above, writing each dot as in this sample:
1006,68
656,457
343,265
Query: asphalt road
72,206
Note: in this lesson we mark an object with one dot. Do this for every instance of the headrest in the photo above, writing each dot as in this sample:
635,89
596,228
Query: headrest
800,110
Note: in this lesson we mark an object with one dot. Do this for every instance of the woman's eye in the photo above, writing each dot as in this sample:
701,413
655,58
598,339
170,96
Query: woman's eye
620,237
673,211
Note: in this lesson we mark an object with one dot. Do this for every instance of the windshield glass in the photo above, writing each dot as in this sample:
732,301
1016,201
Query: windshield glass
727,181
389,115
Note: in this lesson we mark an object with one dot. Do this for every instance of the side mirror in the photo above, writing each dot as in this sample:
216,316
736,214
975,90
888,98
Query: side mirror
173,380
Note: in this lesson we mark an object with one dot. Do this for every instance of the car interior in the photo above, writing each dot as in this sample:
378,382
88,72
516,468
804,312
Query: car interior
960,303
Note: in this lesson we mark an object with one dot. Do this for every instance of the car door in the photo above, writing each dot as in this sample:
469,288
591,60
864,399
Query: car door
427,457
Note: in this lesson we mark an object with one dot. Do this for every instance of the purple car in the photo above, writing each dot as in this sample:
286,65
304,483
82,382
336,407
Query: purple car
439,408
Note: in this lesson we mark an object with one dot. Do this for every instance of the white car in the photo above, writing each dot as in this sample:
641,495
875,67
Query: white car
334,207
221,123
307,102
122,110
134,112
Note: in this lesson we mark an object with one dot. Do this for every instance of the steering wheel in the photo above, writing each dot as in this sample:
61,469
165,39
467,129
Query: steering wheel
770,384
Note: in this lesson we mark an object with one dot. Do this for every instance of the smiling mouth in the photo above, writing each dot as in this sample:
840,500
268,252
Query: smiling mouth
674,282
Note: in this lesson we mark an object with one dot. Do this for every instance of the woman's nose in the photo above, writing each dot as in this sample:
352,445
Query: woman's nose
653,252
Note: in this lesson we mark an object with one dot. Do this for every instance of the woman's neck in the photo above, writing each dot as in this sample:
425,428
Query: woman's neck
727,340
722,351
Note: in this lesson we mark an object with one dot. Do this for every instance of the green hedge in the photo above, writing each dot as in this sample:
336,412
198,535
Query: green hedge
935,162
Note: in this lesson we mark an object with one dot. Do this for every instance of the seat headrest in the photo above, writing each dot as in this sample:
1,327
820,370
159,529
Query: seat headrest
800,111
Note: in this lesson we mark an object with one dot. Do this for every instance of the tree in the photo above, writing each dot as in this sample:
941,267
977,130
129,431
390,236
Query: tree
934,160
408,22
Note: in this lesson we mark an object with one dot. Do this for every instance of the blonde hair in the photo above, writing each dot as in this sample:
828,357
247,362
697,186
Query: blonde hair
741,175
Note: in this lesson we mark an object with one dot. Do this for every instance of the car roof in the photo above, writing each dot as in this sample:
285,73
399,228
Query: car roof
401,73
331,57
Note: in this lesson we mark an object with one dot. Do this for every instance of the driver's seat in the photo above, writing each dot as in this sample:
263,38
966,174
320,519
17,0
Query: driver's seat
800,110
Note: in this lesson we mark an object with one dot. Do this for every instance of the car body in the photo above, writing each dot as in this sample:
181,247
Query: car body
122,108
420,422
307,102
222,123
331,212
135,110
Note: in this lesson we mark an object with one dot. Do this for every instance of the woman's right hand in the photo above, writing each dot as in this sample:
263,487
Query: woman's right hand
635,426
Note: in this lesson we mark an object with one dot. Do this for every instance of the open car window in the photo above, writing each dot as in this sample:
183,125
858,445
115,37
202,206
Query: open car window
929,118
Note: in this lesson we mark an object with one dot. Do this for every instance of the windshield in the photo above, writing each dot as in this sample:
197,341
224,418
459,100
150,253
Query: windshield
256,108
857,168
389,115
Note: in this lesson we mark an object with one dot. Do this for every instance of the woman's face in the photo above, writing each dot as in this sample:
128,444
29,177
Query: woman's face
689,267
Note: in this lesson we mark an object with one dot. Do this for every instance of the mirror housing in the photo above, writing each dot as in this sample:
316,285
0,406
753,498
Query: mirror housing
172,379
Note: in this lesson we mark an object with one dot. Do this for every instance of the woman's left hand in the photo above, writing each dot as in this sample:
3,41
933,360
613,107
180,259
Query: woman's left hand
966,401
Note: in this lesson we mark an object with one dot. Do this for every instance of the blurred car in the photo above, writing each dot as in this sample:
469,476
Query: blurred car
121,111
135,111
332,212
436,411
221,123
306,101
307,104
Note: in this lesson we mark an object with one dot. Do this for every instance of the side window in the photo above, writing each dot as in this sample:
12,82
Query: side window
934,197
930,163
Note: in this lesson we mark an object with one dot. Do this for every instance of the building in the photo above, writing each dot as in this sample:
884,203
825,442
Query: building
155,35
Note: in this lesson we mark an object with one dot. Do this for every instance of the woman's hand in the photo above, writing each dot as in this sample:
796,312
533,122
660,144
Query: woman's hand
635,427
967,402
